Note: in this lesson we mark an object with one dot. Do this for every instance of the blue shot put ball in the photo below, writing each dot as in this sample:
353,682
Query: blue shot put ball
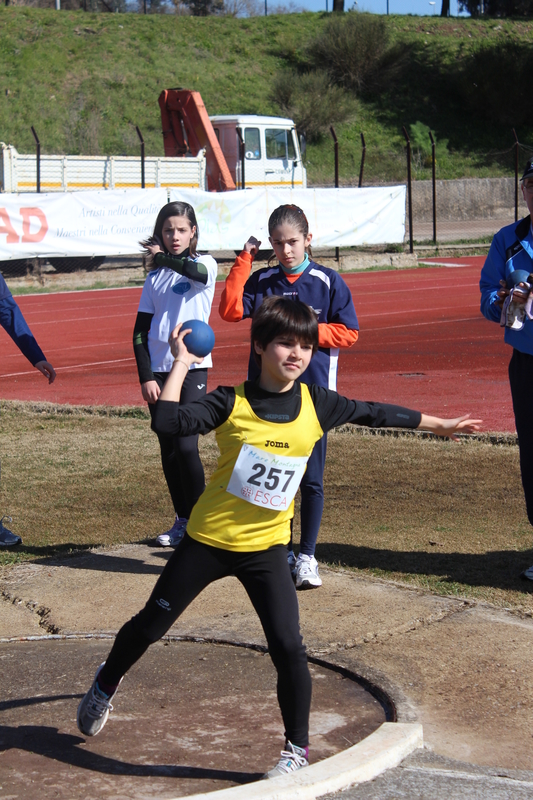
201,340
516,277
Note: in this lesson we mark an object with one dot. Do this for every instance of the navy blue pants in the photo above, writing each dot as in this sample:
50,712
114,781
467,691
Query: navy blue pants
266,577
521,381
312,494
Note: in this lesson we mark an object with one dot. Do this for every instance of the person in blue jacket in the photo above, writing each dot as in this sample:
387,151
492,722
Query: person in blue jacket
15,325
510,305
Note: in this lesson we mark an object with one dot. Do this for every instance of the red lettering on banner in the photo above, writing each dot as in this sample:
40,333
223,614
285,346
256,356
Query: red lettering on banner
27,214
7,227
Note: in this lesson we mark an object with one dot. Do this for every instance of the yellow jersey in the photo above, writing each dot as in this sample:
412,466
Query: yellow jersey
256,515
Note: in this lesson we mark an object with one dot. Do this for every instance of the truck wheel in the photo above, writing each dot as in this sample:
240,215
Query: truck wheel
88,264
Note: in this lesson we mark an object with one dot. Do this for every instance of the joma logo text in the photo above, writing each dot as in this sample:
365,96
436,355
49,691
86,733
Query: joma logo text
270,443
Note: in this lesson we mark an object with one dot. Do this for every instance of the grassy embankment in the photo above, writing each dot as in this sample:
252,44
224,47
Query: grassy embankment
84,81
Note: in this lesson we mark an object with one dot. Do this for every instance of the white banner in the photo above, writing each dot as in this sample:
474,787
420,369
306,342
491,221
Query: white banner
110,223
107,223
337,217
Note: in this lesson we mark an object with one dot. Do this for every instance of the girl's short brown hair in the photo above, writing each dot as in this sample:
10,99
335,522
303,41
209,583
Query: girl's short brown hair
283,316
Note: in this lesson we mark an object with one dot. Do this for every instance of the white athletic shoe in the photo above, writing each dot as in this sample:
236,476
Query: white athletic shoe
306,572
292,758
527,574
94,709
174,536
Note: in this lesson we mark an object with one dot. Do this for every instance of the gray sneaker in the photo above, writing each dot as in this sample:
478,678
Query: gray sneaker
8,539
292,759
94,709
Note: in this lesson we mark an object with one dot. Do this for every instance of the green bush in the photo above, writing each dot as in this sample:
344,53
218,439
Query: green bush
494,82
421,148
311,101
356,51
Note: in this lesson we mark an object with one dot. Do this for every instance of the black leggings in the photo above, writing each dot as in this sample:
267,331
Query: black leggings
521,381
180,458
266,577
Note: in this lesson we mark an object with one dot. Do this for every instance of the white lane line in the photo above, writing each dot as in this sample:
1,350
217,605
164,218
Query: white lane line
423,324
73,366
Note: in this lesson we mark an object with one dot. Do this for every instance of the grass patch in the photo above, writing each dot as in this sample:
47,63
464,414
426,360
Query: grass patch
446,517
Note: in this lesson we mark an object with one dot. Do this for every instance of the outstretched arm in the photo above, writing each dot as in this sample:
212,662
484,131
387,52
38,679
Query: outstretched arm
449,427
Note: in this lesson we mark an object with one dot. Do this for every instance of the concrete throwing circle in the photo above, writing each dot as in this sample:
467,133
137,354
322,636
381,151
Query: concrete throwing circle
190,717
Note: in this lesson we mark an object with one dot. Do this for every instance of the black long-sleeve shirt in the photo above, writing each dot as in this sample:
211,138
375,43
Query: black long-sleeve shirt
332,410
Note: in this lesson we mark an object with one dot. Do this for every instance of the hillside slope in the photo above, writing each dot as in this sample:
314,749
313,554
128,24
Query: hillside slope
85,80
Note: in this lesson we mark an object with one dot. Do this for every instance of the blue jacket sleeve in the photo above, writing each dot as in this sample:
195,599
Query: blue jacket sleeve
492,273
15,325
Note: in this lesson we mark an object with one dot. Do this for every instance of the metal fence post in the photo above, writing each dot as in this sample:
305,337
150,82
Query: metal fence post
434,185
409,197
516,146
336,147
139,134
38,155
243,155
363,154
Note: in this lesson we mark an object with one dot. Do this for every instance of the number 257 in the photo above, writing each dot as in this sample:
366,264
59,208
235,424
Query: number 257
271,482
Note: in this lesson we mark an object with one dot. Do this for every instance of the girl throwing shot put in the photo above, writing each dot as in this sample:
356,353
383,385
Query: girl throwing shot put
180,286
241,523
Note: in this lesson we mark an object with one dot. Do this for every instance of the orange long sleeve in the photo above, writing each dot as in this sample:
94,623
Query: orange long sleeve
230,307
335,334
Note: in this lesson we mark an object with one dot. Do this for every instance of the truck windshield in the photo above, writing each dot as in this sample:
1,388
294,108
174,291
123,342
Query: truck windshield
252,145
279,143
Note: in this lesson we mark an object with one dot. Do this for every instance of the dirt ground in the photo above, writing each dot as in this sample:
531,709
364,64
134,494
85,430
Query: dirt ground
461,668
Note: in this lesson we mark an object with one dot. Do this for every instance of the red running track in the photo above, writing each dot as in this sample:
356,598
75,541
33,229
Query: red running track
423,343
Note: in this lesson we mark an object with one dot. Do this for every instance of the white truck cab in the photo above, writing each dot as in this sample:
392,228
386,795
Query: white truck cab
272,154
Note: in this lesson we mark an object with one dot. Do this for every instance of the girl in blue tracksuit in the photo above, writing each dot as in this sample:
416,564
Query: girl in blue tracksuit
294,274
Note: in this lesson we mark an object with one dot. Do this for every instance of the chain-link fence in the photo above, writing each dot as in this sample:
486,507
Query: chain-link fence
438,212
470,209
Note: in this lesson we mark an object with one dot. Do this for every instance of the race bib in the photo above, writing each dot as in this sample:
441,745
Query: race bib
266,479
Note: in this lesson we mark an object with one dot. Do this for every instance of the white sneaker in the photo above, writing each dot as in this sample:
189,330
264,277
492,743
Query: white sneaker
306,572
527,574
174,536
291,558
292,758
